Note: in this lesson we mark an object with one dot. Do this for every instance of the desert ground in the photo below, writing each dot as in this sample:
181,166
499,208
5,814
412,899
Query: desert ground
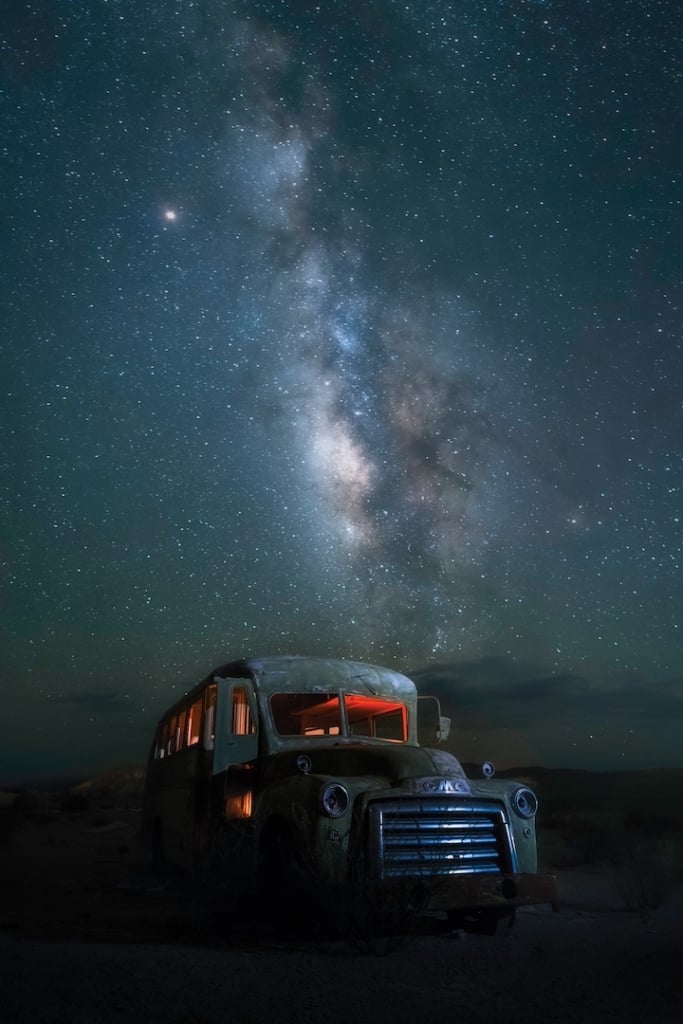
88,935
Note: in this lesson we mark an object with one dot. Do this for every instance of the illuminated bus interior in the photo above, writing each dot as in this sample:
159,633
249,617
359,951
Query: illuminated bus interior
320,714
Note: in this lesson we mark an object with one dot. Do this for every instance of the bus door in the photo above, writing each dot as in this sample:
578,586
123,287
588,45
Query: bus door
236,744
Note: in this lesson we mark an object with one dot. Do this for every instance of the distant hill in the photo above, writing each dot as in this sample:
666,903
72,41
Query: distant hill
116,786
651,793
648,794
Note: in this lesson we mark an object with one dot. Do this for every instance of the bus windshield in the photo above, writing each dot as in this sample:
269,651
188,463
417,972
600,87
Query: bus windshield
339,714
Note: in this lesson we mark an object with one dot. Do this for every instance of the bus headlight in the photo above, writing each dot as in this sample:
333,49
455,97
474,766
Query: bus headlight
334,800
524,802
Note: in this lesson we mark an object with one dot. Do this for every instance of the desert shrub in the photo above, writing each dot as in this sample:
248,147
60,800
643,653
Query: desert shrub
36,806
369,915
255,886
581,839
654,825
372,917
554,849
75,802
647,870
224,882
29,802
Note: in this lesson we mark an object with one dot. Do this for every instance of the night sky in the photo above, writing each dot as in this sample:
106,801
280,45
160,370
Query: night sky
349,329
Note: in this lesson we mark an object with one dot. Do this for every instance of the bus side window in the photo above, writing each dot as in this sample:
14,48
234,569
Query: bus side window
171,736
180,730
241,723
194,721
160,743
210,718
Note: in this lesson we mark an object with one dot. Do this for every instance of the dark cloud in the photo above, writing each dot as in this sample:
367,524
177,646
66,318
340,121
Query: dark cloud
499,692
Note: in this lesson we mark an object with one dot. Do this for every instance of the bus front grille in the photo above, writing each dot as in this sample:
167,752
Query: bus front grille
431,837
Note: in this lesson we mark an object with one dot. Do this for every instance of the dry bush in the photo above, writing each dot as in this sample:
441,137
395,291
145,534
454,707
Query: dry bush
225,882
262,886
372,917
647,870
644,854
75,802
581,839
36,806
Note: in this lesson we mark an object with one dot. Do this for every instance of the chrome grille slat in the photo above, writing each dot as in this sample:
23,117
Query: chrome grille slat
422,836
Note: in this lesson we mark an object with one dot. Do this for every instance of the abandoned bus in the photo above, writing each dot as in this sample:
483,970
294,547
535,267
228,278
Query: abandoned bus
327,759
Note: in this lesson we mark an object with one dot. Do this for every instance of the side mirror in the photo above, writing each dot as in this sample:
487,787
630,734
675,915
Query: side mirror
431,726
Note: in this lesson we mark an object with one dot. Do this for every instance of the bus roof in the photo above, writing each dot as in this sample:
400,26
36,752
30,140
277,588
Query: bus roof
290,673
283,673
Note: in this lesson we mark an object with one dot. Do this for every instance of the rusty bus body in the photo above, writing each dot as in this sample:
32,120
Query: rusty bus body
326,760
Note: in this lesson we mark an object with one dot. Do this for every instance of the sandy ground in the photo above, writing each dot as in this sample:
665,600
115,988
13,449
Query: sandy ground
86,938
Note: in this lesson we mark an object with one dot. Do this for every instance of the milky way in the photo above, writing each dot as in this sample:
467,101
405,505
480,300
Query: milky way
350,329
378,388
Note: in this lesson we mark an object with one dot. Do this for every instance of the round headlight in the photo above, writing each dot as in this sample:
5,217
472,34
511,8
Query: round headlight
334,800
524,802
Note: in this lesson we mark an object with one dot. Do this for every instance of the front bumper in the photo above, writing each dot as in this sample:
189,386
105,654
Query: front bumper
493,892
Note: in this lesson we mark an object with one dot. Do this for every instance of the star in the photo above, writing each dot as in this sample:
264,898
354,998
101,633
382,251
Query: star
331,338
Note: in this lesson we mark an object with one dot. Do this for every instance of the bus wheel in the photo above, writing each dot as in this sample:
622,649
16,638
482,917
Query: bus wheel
280,874
482,922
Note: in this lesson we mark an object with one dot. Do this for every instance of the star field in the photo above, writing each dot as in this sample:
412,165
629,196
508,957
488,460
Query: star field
345,329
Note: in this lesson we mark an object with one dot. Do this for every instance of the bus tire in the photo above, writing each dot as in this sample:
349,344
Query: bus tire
280,875
482,922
